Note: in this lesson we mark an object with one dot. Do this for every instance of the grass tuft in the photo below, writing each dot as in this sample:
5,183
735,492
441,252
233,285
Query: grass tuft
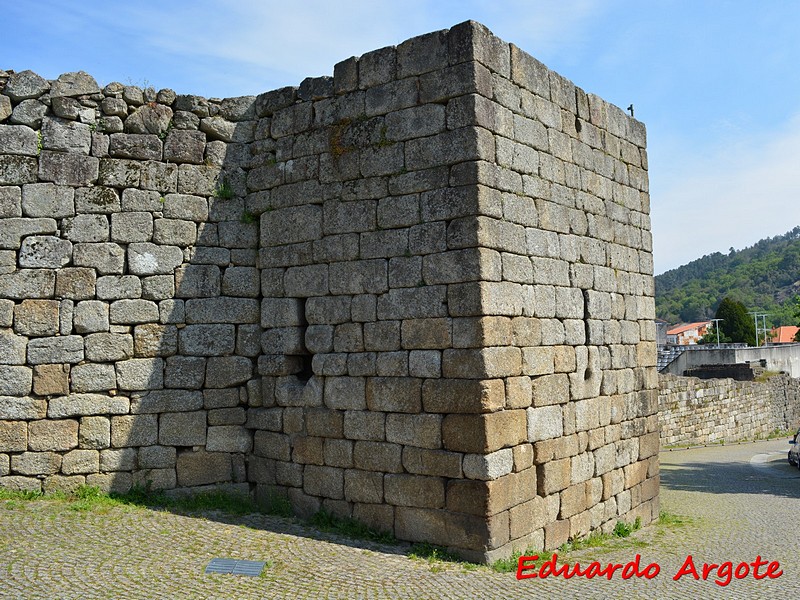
509,565
329,523
223,191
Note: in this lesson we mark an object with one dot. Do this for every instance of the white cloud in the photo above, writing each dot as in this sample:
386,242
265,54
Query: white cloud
280,43
732,196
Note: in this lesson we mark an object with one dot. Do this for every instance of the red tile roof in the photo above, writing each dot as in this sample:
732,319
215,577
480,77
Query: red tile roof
783,335
681,328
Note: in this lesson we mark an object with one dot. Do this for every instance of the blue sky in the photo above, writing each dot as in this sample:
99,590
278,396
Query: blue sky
716,82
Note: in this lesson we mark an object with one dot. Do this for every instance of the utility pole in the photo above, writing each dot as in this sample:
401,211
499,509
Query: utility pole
716,328
755,324
763,329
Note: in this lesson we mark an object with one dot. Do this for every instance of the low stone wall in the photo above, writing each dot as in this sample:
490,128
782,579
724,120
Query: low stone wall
701,411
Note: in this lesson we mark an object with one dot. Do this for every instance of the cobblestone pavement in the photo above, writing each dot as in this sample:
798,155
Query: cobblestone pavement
743,499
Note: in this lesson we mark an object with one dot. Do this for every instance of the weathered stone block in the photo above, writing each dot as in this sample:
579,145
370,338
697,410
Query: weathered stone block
17,170
35,463
185,147
76,405
63,168
52,436
63,349
94,432
10,202
550,389
161,401
150,259
229,438
421,430
154,339
158,287
223,310
545,423
414,490
79,462
115,287
553,476
135,146
108,347
202,468
36,318
323,481
91,316
394,394
47,200
130,227
107,258
489,466
439,463
93,378
13,436
463,395
12,347
129,312
207,340
363,486
484,433
348,393
378,456
157,457
441,527
25,85
15,380
140,374
182,429
76,283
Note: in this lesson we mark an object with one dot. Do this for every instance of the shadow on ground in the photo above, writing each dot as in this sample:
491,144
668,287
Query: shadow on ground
773,477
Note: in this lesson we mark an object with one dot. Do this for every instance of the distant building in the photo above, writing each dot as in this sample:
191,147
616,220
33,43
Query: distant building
783,335
688,333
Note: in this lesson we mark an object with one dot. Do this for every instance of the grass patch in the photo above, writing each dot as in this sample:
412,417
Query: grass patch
329,523
20,496
623,530
89,498
596,539
223,191
509,565
765,376
667,519
437,557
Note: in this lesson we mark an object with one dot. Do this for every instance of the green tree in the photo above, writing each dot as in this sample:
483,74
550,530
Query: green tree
736,324
711,336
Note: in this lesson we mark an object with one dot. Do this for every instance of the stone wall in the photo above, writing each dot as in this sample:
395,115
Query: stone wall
129,291
703,411
418,293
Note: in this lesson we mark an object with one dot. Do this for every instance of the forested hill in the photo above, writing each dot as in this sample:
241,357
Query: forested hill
765,277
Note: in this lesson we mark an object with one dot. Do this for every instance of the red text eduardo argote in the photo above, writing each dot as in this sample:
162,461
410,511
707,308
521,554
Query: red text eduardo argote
722,574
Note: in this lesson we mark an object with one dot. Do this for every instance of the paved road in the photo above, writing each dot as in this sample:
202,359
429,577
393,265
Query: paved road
744,501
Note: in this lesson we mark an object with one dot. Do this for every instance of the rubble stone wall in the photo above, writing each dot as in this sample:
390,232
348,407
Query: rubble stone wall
129,289
704,411
417,293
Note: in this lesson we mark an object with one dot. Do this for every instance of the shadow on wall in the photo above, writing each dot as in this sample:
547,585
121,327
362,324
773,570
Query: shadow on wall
189,408
130,293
